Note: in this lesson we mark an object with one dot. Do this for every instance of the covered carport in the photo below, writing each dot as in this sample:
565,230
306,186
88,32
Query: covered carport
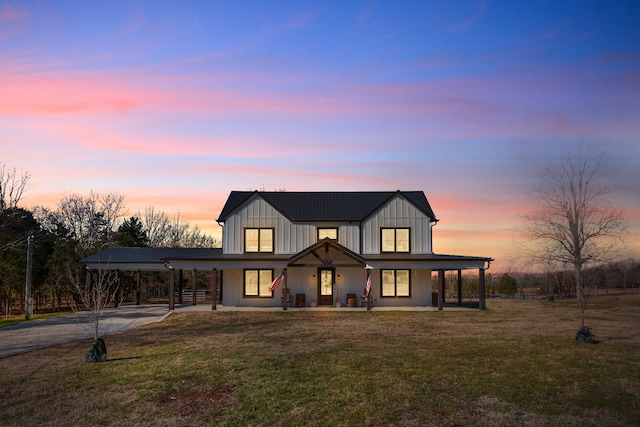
152,259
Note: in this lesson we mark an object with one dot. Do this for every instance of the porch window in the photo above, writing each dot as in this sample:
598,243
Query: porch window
395,283
256,283
258,239
331,233
395,240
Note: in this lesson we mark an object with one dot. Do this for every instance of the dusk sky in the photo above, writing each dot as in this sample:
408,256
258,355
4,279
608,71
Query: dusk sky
175,104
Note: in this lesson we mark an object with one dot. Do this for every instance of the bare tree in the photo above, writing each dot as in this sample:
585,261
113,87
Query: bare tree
576,224
91,220
12,187
166,232
94,295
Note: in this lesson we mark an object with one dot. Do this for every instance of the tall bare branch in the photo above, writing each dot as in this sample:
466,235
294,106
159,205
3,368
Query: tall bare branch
12,187
575,223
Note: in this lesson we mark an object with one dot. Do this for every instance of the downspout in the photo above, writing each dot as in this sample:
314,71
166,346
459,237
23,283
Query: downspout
432,224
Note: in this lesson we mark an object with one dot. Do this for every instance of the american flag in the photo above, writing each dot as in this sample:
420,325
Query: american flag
276,282
367,289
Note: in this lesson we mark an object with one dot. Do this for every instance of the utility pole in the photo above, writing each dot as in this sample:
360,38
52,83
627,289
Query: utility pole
28,300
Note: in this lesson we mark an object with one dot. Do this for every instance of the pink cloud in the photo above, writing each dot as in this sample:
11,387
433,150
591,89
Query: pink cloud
447,108
10,13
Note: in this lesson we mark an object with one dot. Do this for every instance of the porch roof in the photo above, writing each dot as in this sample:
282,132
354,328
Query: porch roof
323,253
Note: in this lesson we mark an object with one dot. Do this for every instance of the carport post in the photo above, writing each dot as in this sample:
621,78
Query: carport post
194,286
138,287
172,286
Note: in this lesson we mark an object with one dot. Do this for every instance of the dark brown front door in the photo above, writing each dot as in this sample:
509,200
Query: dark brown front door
325,286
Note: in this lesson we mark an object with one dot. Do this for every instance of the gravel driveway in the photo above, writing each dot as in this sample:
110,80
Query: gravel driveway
41,333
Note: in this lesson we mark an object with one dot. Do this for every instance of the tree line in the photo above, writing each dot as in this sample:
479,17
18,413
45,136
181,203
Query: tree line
614,276
78,226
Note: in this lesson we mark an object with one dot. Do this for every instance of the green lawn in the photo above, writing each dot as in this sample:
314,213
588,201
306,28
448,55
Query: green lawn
515,364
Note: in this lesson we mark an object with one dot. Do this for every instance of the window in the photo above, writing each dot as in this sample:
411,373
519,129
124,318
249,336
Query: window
256,283
395,283
395,240
331,233
258,240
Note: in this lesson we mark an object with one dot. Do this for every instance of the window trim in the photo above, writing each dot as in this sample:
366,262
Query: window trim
244,282
260,229
326,228
395,282
395,240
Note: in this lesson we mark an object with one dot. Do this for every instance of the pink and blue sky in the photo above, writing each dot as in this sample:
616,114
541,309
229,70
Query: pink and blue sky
175,104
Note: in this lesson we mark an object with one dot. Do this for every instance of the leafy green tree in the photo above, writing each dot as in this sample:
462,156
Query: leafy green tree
16,225
131,233
507,285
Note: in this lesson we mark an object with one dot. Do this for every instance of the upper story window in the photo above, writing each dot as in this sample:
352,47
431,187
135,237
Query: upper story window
331,233
258,239
395,240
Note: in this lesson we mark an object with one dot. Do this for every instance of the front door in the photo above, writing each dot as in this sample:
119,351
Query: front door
325,286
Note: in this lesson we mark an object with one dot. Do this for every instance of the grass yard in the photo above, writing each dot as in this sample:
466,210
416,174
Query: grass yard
515,364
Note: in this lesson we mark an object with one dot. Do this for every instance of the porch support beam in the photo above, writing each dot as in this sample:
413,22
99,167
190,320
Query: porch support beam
284,290
440,289
459,287
481,289
214,296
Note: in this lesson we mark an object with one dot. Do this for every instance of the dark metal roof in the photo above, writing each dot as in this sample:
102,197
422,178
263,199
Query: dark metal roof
148,255
154,258
425,257
326,206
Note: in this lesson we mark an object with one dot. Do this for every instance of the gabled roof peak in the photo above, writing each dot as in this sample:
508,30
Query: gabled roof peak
303,206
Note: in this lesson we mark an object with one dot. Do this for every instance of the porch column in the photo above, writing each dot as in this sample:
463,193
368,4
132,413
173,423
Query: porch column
284,290
440,289
172,288
481,289
179,287
194,287
138,287
214,296
459,287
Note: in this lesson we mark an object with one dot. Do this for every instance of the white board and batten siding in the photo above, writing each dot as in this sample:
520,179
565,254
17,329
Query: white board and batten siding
398,213
289,238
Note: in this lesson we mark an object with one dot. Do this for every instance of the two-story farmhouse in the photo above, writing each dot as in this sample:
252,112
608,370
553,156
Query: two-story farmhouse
322,248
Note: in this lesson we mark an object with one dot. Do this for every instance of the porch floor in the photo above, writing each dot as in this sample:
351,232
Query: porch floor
207,307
